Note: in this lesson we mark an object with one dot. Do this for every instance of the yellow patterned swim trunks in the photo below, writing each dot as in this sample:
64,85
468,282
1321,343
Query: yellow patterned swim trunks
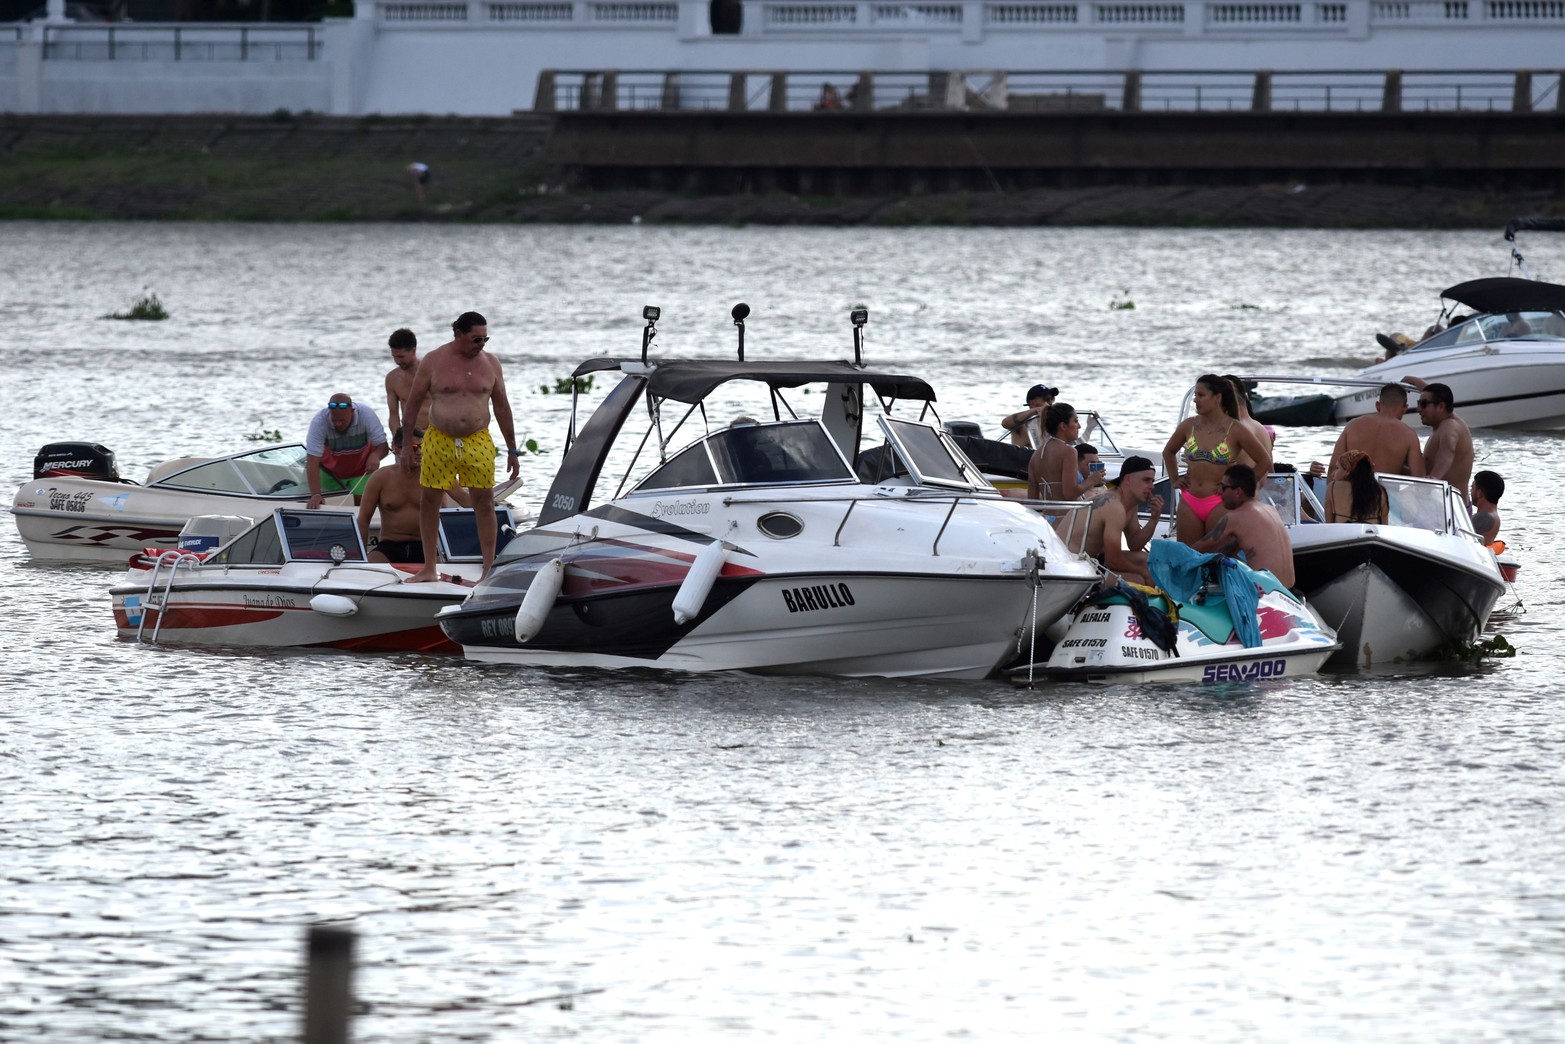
467,461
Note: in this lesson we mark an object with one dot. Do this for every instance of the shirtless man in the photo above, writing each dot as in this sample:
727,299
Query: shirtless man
1448,452
1392,447
399,382
1026,426
1488,487
396,492
1250,526
1116,536
461,380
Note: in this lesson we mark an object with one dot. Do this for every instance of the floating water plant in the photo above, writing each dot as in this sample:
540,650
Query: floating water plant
1122,304
566,385
146,307
265,435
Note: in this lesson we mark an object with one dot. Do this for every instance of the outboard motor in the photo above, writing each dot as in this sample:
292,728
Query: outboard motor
85,459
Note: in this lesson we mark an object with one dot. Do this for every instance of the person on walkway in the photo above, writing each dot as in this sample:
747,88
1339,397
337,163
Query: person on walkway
1448,452
1116,536
1250,527
1383,437
420,174
399,380
345,442
1026,426
1488,488
461,382
1209,441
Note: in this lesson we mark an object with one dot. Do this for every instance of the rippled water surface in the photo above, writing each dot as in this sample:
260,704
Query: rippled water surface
531,854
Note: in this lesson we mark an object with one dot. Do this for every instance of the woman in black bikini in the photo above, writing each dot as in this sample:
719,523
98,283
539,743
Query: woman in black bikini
1360,497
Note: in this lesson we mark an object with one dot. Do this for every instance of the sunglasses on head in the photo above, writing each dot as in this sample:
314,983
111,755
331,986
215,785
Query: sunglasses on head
339,405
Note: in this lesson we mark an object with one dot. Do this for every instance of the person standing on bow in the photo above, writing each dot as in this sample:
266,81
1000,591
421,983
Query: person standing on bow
1209,441
461,381
345,442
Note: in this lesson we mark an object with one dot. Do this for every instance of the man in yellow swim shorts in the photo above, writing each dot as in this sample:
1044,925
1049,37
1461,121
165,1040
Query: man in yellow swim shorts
460,380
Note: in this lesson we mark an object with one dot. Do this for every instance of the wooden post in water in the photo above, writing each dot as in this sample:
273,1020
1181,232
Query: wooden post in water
328,986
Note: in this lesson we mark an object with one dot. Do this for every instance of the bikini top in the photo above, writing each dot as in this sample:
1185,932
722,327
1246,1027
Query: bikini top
1221,453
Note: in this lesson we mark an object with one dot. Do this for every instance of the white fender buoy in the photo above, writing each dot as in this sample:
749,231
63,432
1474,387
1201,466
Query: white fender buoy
539,599
334,605
691,595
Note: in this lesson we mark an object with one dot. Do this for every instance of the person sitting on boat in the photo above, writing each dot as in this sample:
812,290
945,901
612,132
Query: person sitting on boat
1250,528
1026,426
1448,452
396,493
1116,536
344,441
1488,488
1051,473
1261,433
1359,497
1391,446
1087,466
1209,441
1516,325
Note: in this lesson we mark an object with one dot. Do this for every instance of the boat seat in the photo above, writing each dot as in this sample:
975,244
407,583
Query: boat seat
1211,619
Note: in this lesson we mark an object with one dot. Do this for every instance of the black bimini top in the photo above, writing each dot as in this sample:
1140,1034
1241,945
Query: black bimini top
1533,225
1508,294
691,380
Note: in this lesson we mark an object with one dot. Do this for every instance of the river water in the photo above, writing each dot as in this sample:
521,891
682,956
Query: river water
532,854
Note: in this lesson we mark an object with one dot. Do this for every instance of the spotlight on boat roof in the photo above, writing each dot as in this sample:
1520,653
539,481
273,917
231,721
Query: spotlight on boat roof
651,313
741,310
859,316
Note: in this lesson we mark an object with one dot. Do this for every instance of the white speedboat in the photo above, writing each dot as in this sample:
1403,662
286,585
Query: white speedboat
295,578
854,541
1231,624
1505,362
76,508
1397,591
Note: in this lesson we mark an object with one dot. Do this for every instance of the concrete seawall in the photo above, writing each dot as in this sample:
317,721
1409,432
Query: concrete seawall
1351,170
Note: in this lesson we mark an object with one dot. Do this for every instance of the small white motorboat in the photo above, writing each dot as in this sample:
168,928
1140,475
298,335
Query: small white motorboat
76,508
1225,622
1397,591
295,578
1504,363
741,535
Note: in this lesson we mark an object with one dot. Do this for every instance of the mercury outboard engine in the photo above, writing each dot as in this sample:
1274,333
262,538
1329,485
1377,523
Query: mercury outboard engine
86,459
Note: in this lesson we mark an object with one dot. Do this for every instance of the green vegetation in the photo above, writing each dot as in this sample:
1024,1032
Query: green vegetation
265,435
147,307
566,385
1122,304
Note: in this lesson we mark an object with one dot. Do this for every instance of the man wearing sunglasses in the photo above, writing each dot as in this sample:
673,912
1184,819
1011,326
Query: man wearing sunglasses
1382,436
460,381
345,444
1448,452
1250,526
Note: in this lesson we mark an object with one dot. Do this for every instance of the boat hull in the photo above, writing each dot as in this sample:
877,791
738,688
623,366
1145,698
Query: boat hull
1516,385
844,624
1393,592
69,519
249,608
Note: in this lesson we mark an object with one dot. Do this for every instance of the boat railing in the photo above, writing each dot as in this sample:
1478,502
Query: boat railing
1069,518
153,599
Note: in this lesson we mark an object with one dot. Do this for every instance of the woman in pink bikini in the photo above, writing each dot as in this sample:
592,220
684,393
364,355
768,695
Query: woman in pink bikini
1209,442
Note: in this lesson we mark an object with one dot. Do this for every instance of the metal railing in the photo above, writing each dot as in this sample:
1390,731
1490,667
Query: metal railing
119,42
829,90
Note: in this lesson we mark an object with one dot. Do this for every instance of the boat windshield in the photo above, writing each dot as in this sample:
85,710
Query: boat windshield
1424,504
929,455
744,454
1512,326
275,471
297,535
1095,434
